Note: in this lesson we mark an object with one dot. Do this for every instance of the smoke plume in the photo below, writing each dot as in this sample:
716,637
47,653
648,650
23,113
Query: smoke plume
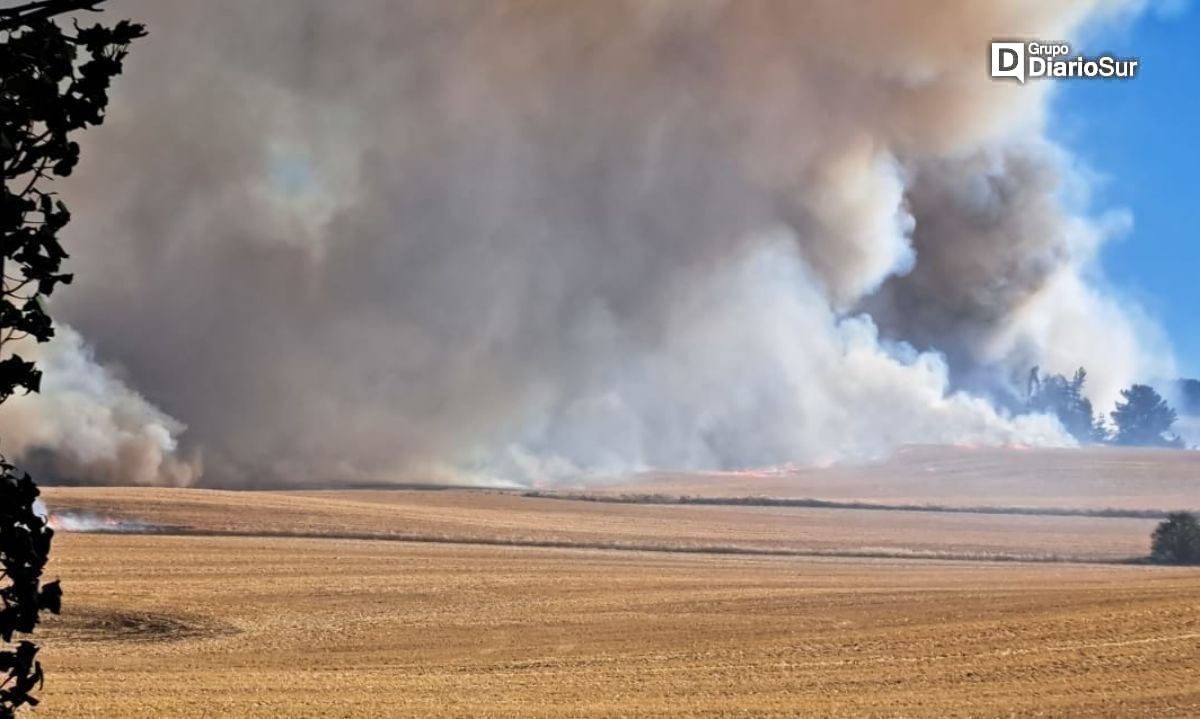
521,239
88,425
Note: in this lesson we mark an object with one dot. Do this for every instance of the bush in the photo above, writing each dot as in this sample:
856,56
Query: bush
1176,540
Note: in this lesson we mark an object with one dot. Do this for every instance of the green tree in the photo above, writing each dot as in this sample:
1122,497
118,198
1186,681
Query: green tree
52,84
1064,398
1144,419
1176,540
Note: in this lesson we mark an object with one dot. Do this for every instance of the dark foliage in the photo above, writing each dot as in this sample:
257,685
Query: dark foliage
1062,397
1189,396
1144,419
52,83
24,548
1176,540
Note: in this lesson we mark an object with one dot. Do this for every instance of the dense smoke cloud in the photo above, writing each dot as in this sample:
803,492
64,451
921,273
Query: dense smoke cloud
87,424
373,240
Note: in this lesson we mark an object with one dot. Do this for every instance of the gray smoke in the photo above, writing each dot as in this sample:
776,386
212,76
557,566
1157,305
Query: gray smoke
374,240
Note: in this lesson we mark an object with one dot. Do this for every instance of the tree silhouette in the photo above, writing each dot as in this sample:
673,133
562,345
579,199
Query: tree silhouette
1189,395
1176,540
1064,398
52,83
1144,419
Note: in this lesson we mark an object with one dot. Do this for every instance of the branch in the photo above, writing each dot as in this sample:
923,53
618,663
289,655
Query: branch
21,15
12,290
14,335
23,153
38,173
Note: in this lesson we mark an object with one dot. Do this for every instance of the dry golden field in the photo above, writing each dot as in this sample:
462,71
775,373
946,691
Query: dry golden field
482,604
489,517
1096,477
247,627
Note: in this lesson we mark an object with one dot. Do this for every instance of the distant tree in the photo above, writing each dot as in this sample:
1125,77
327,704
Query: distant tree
1064,398
1144,419
52,83
1176,540
1189,395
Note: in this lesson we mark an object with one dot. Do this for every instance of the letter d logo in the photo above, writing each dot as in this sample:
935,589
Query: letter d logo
1008,60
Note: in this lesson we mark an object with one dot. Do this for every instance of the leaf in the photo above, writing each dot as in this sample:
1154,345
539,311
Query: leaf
50,598
53,84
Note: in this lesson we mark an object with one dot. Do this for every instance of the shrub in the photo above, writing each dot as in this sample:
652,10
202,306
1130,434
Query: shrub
1176,540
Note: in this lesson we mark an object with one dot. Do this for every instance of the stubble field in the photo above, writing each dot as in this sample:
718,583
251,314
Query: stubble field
468,604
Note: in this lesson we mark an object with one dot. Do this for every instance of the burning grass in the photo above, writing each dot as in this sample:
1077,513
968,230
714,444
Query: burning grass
85,521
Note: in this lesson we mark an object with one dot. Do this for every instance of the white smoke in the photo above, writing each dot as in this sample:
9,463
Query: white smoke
92,522
88,425
371,240
755,367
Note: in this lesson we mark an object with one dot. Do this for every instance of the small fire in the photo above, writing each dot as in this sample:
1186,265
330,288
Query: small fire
969,445
84,521
781,470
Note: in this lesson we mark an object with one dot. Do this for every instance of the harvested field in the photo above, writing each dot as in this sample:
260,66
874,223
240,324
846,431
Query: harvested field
282,627
454,603
1091,478
503,518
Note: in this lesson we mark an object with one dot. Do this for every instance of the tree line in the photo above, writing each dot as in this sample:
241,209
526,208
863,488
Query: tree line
1142,418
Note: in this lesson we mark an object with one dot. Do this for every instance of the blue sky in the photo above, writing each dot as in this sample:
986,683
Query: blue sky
1141,135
